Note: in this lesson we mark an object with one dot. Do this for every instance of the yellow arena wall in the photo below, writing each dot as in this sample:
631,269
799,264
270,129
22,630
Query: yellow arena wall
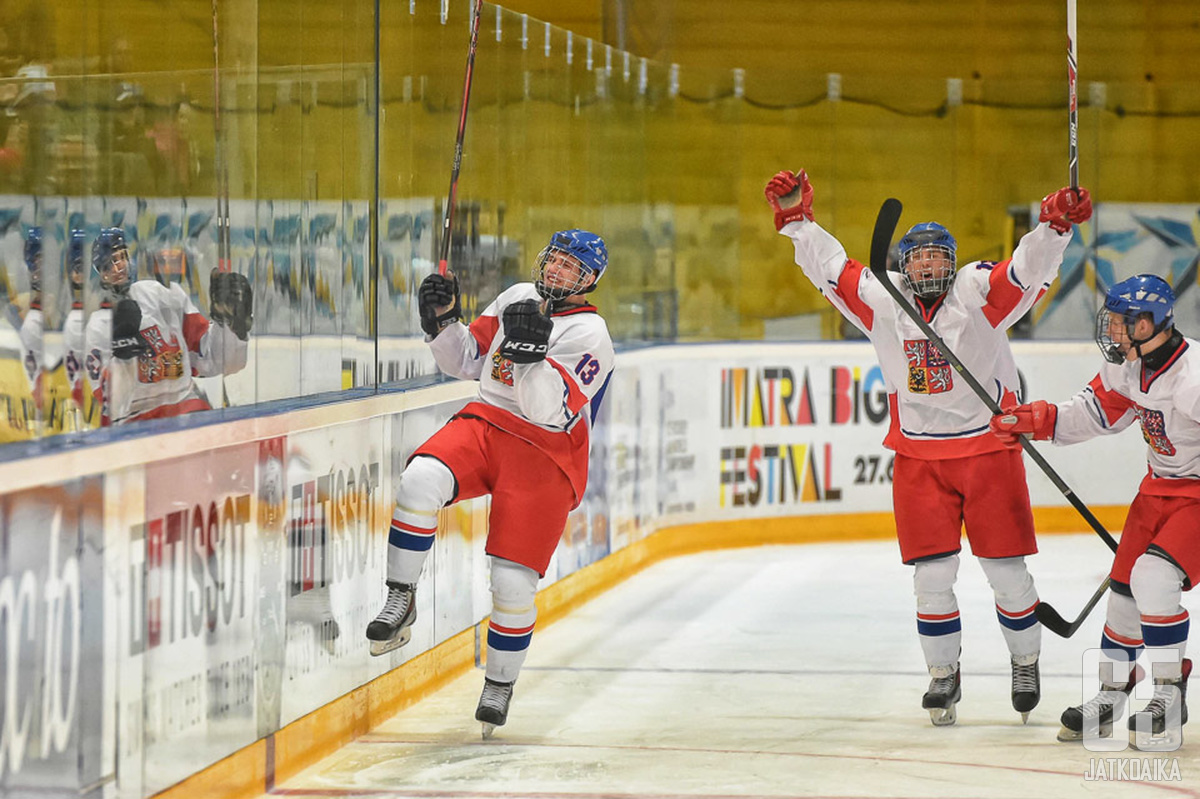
297,113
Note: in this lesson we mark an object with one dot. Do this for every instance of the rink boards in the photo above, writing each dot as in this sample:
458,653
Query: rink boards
168,601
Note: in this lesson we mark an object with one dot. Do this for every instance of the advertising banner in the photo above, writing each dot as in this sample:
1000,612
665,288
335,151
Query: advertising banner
192,594
55,698
335,555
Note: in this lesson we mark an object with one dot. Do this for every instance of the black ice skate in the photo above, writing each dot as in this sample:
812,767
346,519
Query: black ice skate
1100,710
945,689
392,628
493,705
1026,684
1158,727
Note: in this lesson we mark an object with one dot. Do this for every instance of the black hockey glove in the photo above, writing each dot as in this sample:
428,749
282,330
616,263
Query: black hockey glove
127,341
437,291
231,301
526,332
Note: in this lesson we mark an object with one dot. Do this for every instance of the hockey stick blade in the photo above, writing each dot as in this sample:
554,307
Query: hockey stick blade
885,229
1055,623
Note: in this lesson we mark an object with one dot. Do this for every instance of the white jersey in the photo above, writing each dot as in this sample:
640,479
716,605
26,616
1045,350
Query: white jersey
32,345
535,401
183,343
1166,403
73,344
935,414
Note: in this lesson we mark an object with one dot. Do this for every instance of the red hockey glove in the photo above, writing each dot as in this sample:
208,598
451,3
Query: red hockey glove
1065,206
1037,419
794,191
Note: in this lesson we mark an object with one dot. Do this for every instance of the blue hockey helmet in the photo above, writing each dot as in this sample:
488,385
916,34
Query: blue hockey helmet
110,259
583,249
33,248
1139,297
75,244
928,239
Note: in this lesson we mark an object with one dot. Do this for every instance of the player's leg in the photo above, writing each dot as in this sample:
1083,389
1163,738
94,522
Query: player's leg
424,487
1016,599
999,524
1120,644
1157,586
940,631
928,525
1121,639
1157,580
510,631
531,498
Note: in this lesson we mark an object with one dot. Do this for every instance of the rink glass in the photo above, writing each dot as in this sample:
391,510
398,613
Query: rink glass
335,153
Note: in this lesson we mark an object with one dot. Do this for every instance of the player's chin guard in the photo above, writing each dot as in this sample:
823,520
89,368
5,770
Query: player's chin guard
526,332
438,291
572,263
1147,296
231,301
110,260
925,273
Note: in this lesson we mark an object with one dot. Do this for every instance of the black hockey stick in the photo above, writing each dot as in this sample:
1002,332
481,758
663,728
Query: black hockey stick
451,200
881,241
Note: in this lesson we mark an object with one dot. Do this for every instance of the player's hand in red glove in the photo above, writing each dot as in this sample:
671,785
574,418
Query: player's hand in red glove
1066,206
790,195
1035,419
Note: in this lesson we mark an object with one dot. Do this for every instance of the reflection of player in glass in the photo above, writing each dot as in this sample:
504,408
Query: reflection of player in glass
949,473
33,325
1153,378
73,325
148,341
542,356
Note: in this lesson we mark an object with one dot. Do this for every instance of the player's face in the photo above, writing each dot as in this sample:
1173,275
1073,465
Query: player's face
928,263
563,272
1118,331
118,268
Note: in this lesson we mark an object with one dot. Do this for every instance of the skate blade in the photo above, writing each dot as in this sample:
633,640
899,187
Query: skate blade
1025,718
383,647
488,729
1067,735
943,716
1166,741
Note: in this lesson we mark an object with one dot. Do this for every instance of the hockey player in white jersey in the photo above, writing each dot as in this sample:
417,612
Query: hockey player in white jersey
948,471
34,323
542,355
1152,377
148,341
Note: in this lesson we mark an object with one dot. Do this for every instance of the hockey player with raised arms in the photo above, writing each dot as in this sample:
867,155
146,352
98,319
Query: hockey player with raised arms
1152,377
543,356
948,471
147,341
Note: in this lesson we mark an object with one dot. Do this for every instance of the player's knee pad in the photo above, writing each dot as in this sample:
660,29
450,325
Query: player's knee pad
1009,579
933,583
1122,616
1157,585
425,486
513,590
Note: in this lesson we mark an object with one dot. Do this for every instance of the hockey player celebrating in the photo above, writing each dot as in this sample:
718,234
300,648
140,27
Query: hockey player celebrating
542,355
1152,377
948,471
148,341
